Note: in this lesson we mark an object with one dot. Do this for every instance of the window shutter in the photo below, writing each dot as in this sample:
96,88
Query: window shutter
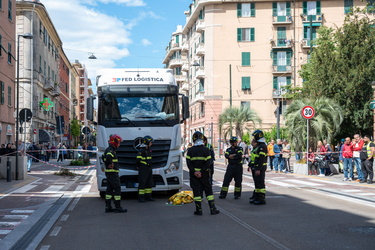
239,34
177,39
246,83
288,8
305,7
275,83
274,9
2,92
274,57
288,80
239,10
252,34
318,8
288,57
252,9
245,58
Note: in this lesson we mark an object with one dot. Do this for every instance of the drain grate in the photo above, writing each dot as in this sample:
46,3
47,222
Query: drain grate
363,230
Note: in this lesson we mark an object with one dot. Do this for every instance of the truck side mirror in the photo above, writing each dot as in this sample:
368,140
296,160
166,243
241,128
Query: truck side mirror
90,108
185,108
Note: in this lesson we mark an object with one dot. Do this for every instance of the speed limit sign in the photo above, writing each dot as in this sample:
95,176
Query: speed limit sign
308,112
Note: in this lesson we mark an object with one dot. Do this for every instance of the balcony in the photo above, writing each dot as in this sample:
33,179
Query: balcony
199,96
282,20
185,67
175,62
278,93
315,18
200,26
200,49
48,85
282,69
281,43
180,78
306,43
200,72
185,46
56,91
185,86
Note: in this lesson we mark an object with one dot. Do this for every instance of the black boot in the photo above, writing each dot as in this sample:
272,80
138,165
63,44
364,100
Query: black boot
213,208
260,199
237,194
252,198
120,210
141,198
198,208
223,194
148,197
108,207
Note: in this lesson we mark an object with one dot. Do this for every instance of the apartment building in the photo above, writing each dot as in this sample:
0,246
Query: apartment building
7,70
243,53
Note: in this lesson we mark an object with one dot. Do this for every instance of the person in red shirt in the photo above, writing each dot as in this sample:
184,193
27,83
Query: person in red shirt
311,162
347,158
357,148
320,157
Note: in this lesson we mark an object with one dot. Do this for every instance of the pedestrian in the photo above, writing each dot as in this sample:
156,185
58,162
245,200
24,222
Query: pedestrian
357,147
367,158
234,169
79,147
198,161
260,167
320,157
30,154
312,168
209,146
271,154
144,165
286,155
278,160
60,153
346,157
328,158
245,152
112,173
2,149
9,150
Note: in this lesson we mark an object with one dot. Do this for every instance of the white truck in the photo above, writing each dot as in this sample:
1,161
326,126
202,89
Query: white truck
134,103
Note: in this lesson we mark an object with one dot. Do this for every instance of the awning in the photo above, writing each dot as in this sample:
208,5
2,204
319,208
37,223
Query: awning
313,24
44,136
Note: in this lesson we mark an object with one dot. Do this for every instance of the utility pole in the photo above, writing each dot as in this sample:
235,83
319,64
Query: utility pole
230,95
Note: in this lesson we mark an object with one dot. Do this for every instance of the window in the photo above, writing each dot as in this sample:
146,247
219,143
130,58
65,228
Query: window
246,10
311,9
245,83
201,14
1,45
246,59
246,34
201,113
177,39
245,105
370,6
281,36
348,5
282,59
2,92
308,34
10,53
1,4
281,10
10,10
201,85
10,96
40,64
279,82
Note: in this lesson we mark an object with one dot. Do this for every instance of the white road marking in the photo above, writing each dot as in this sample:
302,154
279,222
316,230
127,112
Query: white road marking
24,189
74,203
55,231
366,194
64,217
52,189
9,224
82,189
5,231
279,183
351,190
305,183
15,217
22,211
45,247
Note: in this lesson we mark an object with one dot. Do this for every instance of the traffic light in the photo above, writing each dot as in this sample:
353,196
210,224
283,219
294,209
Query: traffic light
60,124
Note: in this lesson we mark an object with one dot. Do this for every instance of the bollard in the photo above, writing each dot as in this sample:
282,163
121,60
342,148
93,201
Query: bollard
9,172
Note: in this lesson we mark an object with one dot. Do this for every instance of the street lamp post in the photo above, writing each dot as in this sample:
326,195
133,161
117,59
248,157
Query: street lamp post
26,36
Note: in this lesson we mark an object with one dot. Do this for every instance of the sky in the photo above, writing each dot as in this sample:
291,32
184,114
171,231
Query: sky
120,33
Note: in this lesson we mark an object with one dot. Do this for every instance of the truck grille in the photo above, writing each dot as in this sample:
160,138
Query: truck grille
127,154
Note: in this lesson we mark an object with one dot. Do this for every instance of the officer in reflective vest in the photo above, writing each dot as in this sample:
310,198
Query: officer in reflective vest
144,164
260,167
234,169
112,174
367,158
198,159
251,165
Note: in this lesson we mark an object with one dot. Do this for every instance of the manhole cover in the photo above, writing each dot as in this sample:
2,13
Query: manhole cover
363,230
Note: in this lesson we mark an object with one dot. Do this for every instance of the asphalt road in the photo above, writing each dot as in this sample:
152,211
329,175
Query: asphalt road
301,213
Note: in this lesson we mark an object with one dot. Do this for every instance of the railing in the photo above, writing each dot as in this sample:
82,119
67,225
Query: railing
282,19
314,18
282,69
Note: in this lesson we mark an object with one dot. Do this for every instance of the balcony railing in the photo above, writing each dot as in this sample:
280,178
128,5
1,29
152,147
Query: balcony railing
200,49
282,19
277,69
278,93
185,86
180,78
282,43
200,25
306,43
176,62
200,72
313,18
199,96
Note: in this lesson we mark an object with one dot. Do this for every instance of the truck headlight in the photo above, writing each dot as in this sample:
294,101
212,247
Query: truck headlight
173,167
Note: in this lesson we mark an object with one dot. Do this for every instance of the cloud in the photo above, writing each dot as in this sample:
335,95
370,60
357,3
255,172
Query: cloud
145,42
83,29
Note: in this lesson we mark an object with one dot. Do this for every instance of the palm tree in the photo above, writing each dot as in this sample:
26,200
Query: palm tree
324,125
237,118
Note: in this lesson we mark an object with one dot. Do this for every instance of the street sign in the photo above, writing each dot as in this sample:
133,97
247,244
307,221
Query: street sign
25,115
308,112
372,105
86,130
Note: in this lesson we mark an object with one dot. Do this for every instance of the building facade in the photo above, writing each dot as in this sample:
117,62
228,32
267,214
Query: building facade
83,90
7,70
242,53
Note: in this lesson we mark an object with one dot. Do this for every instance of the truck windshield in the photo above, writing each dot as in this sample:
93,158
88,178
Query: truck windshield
132,109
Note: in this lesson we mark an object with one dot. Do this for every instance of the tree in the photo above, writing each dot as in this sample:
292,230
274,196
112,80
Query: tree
324,125
238,119
75,129
341,68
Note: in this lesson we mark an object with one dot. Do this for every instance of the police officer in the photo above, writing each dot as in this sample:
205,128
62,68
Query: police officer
209,146
111,172
259,166
251,165
198,159
234,169
144,164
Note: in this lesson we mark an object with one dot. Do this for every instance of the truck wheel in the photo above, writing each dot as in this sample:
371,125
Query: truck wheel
172,192
102,194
